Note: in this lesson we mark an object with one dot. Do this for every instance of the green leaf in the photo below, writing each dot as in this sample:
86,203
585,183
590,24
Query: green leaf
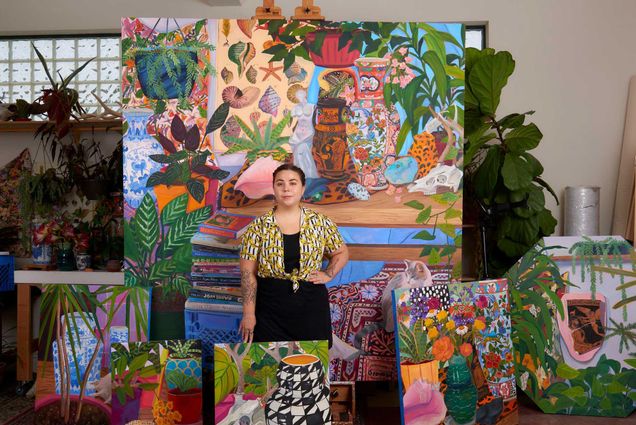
536,169
225,374
183,259
616,388
434,257
436,44
162,159
488,173
146,220
130,242
514,120
448,229
519,229
566,372
174,210
138,362
424,235
156,178
161,269
196,189
183,229
523,138
547,223
404,131
439,72
316,46
424,216
415,204
515,172
452,213
218,118
488,77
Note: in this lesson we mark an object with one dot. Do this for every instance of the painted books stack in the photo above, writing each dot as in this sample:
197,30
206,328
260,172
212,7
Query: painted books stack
215,275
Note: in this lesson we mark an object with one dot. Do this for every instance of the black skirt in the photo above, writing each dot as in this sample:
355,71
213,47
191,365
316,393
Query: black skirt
285,315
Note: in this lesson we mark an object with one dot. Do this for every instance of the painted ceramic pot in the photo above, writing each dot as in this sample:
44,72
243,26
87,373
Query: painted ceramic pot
42,254
373,128
82,261
331,55
138,146
461,394
330,150
302,396
190,367
85,343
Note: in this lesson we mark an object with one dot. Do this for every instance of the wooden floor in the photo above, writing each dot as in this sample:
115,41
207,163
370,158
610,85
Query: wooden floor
381,210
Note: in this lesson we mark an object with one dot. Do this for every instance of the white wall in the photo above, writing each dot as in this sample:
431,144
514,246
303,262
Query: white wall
574,59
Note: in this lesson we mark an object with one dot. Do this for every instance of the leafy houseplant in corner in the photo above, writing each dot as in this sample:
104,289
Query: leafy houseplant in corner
503,179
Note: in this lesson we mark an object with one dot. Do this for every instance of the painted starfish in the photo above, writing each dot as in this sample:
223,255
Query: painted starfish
271,70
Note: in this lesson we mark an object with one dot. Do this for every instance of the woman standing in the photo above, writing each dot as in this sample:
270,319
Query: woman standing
284,292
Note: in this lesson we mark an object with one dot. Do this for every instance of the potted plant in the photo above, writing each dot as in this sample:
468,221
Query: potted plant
168,63
59,103
185,167
184,391
129,368
69,332
22,110
328,44
503,179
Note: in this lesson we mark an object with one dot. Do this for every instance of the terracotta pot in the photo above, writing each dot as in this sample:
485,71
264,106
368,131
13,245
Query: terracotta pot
165,194
330,56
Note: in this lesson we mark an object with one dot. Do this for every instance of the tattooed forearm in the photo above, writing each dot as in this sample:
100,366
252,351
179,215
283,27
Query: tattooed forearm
248,287
337,261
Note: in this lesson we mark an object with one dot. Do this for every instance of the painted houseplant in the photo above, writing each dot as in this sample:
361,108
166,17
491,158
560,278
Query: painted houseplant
503,179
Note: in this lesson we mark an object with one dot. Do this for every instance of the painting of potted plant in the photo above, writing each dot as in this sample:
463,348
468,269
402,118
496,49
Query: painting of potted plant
169,62
72,346
142,380
185,395
130,369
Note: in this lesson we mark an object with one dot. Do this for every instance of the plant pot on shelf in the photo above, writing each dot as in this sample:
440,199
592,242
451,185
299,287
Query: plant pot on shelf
331,56
42,254
94,411
156,67
65,259
82,261
124,413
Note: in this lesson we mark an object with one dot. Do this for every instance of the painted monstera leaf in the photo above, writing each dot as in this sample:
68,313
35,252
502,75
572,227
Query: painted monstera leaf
225,375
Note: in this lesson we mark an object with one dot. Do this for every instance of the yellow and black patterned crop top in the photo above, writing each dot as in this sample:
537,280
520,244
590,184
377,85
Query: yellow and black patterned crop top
263,242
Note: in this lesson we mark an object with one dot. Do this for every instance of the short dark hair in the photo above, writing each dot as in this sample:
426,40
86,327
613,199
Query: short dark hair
290,167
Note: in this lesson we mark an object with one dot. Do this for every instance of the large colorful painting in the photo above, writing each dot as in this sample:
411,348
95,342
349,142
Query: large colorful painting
78,324
455,355
157,382
273,383
574,325
371,111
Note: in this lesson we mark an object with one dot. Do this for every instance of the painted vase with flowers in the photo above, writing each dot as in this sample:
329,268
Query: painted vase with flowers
63,232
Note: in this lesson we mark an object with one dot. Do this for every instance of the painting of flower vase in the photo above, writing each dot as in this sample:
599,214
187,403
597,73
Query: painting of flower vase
577,338
444,331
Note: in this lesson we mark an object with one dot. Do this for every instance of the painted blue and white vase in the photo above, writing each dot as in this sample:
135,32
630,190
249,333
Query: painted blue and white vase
119,334
42,254
84,343
138,146
190,367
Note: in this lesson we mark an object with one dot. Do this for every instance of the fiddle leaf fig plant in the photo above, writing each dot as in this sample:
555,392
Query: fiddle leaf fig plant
502,177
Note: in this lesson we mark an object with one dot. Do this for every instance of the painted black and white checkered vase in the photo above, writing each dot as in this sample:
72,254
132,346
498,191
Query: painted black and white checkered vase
302,397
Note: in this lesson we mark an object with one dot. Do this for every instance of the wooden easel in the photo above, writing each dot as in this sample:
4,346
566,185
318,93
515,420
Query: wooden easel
307,11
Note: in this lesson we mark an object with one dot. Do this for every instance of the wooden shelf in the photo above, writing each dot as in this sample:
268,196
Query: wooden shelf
70,278
76,126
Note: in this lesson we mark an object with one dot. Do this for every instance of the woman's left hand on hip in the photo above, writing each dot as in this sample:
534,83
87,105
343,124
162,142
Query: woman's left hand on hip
318,277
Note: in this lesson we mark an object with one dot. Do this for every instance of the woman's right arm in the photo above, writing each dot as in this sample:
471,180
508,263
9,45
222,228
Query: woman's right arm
248,289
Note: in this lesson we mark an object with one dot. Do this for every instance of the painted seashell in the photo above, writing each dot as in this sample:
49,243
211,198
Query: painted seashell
256,181
255,116
238,98
232,129
402,171
270,101
227,75
246,26
241,54
295,73
251,75
291,92
358,191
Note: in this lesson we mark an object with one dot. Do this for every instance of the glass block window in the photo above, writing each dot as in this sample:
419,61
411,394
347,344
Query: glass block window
476,36
23,77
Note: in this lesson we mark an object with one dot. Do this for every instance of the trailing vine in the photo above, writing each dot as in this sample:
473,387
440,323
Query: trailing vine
610,253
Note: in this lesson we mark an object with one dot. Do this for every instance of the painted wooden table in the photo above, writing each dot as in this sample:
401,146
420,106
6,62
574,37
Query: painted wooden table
25,280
